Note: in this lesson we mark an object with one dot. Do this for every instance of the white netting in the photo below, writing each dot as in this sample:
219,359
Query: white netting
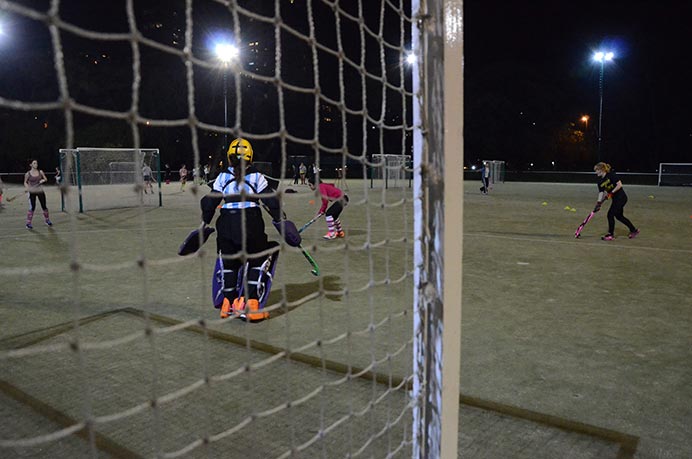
675,174
132,357
110,178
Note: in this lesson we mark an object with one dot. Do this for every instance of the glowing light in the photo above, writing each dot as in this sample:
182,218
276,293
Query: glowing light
603,56
226,52
411,58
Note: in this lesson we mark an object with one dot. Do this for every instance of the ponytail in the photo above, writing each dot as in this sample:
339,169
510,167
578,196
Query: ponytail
605,167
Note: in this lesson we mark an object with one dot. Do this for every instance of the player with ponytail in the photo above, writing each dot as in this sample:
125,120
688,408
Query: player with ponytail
610,187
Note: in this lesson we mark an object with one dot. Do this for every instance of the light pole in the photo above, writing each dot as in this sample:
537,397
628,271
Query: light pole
226,53
601,57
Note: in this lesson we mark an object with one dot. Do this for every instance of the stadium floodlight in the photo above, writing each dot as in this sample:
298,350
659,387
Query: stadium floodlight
601,57
226,52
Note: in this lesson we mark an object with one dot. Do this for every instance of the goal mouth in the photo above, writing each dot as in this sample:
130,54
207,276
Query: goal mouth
110,178
675,174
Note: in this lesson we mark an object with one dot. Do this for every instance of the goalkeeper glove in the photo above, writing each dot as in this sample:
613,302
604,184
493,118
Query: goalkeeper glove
289,231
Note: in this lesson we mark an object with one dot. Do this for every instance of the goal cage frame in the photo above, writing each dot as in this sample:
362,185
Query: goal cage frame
74,173
428,114
391,170
675,174
497,170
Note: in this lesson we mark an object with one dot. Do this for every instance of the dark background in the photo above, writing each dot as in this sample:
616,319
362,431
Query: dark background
528,76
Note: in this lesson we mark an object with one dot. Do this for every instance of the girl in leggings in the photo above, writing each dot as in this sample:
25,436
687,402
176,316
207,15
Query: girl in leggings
610,187
33,180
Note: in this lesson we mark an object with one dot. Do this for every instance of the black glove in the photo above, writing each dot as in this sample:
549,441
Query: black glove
598,206
289,232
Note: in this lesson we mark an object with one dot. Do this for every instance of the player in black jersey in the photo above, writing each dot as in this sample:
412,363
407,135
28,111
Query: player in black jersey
610,187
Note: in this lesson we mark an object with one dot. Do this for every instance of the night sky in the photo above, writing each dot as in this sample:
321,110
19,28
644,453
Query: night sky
529,78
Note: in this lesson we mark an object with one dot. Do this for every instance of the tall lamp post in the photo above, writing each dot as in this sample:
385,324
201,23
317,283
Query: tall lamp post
225,52
601,57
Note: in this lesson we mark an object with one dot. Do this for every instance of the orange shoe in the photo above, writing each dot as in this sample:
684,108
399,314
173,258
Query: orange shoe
340,234
330,235
253,312
225,309
238,307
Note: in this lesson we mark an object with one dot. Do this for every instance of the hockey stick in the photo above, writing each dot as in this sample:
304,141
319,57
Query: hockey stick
15,196
315,268
305,226
588,218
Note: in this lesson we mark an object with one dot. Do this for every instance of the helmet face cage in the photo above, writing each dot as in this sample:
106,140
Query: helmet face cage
239,149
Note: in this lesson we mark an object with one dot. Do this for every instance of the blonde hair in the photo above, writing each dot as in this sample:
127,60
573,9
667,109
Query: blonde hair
602,167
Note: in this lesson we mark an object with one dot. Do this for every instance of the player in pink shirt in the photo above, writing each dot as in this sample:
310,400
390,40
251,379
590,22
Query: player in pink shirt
329,192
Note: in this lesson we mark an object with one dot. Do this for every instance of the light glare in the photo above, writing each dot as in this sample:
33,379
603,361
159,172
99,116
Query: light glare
411,59
226,52
601,56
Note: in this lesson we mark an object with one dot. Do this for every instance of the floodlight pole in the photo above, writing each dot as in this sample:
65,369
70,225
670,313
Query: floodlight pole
225,106
601,57
600,107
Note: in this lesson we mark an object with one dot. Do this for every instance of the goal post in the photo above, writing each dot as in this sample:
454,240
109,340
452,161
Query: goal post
675,174
497,170
390,171
110,178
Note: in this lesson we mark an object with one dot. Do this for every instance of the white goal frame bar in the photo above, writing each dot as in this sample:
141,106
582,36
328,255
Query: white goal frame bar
660,170
437,39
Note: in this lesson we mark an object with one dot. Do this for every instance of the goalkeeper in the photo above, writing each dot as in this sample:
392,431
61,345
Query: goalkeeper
241,284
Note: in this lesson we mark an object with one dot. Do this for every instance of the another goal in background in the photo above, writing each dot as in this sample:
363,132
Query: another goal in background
675,174
391,171
109,178
497,171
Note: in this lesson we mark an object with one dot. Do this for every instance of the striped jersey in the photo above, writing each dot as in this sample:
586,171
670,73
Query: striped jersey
225,183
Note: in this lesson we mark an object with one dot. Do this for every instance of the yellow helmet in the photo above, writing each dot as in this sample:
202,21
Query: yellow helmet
240,148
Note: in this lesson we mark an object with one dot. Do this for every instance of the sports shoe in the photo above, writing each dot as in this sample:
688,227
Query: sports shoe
633,234
28,226
340,234
607,237
254,313
330,235
225,309
49,223
238,307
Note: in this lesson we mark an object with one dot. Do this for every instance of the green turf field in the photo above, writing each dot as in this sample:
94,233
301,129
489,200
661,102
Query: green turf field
570,348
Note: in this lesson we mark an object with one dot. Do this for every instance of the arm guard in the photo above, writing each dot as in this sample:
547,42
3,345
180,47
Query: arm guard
208,205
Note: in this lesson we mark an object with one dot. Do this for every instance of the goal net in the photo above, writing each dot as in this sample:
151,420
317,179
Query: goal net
497,170
675,174
391,171
110,178
125,355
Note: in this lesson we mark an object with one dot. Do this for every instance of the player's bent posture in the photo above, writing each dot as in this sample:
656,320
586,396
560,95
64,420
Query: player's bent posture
33,180
610,186
247,259
329,193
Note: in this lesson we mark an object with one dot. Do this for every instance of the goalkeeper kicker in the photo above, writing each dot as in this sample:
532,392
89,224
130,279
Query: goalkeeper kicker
241,289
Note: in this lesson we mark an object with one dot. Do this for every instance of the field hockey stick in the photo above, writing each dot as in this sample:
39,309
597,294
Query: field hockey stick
304,227
588,218
15,196
315,268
